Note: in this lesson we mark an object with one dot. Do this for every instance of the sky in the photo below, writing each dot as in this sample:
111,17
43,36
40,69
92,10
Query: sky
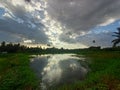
60,23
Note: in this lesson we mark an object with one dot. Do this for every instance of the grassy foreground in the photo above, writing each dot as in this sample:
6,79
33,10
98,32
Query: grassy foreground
15,72
104,73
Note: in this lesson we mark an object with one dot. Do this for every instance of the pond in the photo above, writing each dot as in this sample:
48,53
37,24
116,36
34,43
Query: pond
58,69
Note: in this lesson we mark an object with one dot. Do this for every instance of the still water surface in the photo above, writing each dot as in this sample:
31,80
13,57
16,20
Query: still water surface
58,69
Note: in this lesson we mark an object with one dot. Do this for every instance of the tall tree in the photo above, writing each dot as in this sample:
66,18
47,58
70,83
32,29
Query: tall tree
2,47
3,44
117,39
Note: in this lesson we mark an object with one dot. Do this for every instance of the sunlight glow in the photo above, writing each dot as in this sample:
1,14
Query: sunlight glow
53,28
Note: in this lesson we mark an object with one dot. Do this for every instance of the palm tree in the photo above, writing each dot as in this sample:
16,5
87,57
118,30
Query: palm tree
117,40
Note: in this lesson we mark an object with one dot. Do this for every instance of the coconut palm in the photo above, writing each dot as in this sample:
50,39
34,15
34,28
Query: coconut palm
117,40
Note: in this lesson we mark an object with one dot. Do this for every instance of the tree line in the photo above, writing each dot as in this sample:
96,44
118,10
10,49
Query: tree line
18,48
13,48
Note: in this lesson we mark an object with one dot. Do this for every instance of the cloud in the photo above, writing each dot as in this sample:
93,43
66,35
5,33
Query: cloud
22,30
9,37
67,37
80,16
101,39
27,0
57,21
20,19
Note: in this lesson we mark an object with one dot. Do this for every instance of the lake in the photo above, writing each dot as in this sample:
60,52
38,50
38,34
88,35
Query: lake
58,69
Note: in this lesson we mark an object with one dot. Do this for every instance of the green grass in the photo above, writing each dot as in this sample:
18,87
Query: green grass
15,72
104,72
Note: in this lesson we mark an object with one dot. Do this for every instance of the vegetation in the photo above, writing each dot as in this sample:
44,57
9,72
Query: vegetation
17,48
15,73
117,40
104,73
12,48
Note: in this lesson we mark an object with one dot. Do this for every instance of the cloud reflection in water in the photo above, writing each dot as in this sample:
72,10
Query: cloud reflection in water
59,69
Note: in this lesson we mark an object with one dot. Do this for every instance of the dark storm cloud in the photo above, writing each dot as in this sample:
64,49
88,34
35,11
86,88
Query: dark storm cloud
66,38
9,37
82,15
27,0
22,30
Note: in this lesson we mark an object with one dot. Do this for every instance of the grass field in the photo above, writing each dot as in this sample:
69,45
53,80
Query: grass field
15,72
104,74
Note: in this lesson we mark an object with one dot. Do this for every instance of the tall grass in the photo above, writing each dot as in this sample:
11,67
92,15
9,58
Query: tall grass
15,73
104,73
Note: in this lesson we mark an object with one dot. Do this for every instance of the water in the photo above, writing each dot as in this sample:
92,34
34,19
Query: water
58,69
